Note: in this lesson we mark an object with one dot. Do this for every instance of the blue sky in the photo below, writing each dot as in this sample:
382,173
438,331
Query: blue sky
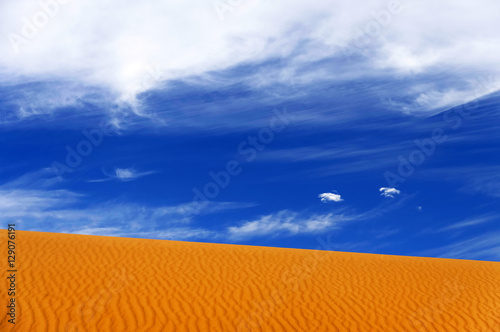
317,126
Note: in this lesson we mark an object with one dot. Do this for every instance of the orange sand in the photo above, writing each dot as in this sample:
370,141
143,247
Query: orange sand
92,283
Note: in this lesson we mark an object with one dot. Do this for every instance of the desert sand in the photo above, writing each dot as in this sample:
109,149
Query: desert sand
93,283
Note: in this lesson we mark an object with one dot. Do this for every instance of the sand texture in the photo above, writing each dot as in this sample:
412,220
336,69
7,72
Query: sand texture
92,283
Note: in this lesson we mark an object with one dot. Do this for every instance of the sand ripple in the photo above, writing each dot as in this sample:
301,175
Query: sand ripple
90,283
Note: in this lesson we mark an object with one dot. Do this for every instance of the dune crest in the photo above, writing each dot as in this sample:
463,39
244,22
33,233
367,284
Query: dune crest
91,283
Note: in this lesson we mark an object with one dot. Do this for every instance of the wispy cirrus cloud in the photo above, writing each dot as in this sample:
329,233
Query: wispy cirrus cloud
483,247
42,178
487,183
36,204
33,203
179,234
475,178
67,211
172,233
469,222
286,223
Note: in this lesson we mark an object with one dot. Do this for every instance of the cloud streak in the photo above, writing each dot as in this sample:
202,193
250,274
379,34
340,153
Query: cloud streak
470,222
31,202
286,223
484,247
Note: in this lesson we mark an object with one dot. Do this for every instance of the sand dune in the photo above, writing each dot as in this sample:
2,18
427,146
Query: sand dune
91,283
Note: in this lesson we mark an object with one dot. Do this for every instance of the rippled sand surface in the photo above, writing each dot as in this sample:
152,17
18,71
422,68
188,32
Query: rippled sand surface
92,283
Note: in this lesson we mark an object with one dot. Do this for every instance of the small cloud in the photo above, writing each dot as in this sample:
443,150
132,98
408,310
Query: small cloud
389,192
123,174
129,174
330,197
419,209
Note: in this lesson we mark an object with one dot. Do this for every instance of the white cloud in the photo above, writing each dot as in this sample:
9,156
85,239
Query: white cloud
129,174
129,47
330,197
123,174
126,174
286,223
389,192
